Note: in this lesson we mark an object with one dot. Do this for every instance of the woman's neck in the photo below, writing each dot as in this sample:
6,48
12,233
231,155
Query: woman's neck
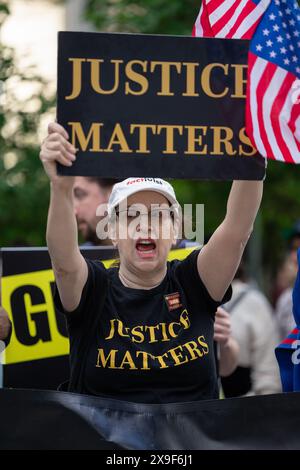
146,280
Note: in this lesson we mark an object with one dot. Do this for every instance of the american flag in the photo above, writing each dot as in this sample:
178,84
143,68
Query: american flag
229,19
273,88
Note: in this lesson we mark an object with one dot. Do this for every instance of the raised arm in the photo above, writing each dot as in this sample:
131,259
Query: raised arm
68,264
220,257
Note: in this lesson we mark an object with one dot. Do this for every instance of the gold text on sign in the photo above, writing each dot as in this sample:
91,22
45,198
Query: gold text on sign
194,139
140,74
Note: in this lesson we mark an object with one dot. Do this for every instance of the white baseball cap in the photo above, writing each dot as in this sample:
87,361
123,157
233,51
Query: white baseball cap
126,188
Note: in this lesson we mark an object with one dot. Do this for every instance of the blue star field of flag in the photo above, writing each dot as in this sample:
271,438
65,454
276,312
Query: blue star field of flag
277,38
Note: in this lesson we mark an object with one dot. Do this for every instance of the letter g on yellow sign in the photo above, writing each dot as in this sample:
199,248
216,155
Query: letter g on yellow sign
38,332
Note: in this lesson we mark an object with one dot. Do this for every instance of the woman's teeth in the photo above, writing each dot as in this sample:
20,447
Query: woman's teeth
145,245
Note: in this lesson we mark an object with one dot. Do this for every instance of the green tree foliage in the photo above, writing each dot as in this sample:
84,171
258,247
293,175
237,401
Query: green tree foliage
23,185
143,16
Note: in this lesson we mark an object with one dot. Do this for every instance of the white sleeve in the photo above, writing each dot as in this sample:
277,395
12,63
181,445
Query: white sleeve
265,370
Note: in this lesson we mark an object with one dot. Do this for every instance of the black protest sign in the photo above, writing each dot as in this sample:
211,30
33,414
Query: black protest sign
167,106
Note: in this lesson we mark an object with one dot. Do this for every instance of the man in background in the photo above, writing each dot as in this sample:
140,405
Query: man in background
89,194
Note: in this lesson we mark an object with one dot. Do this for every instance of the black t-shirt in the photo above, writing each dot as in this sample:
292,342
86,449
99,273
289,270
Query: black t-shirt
149,346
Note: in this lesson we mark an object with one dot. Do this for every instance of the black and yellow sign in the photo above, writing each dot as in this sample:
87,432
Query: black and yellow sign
165,106
37,355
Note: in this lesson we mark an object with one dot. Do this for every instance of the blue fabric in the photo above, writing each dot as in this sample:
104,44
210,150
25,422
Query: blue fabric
277,35
296,295
187,244
288,352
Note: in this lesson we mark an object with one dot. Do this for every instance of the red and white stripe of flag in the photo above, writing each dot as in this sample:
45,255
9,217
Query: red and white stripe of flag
231,19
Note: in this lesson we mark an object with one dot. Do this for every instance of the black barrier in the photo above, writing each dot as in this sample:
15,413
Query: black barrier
56,420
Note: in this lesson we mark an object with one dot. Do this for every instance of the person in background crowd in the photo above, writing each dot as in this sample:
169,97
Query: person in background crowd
287,275
5,325
284,305
228,350
254,328
294,238
288,352
89,194
5,334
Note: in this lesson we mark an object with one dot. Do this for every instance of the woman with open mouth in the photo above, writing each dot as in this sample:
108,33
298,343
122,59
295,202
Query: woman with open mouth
143,331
